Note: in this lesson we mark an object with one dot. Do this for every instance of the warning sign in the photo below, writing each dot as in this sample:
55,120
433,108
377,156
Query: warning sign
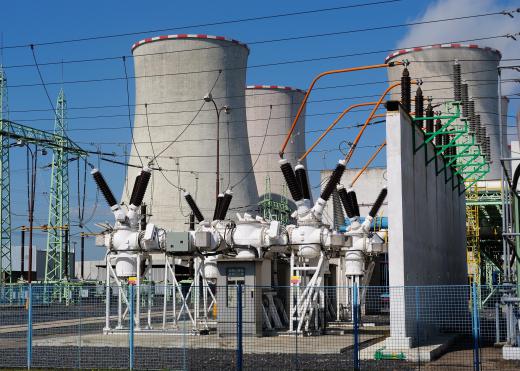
295,280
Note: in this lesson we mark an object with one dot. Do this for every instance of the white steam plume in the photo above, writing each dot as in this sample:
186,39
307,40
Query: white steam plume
443,32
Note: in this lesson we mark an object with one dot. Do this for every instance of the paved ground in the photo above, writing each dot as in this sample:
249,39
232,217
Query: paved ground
64,343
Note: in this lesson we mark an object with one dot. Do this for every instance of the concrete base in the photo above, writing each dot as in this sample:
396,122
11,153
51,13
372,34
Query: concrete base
424,353
511,353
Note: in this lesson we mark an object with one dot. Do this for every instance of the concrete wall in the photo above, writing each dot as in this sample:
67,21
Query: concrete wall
426,215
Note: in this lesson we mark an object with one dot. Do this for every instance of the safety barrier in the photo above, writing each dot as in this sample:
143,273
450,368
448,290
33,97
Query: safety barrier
244,327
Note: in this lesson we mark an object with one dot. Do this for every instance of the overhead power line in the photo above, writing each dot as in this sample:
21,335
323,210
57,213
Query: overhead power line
217,23
270,41
137,114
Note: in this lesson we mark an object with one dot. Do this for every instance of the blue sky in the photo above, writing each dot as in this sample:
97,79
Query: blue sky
26,22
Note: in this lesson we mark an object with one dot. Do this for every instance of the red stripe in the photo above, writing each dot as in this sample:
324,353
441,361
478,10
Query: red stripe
182,36
163,37
202,36
473,46
220,38
402,51
417,49
455,45
148,39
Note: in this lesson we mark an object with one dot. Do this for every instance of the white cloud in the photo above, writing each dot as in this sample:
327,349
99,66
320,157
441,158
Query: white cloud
467,29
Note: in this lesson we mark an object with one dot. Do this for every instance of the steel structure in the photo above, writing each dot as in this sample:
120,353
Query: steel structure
14,131
5,194
271,209
59,221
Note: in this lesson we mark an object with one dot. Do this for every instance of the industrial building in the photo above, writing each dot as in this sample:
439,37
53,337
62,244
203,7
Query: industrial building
220,247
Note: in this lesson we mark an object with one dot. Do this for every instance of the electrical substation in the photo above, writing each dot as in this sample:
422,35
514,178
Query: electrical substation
219,245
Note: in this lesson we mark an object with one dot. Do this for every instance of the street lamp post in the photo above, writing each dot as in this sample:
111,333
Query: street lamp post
209,98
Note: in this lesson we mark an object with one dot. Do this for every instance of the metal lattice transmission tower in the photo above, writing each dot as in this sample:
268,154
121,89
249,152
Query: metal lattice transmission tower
59,218
5,187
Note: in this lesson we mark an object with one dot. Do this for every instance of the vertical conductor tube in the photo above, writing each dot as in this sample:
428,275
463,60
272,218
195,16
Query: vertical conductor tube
333,180
144,178
218,204
103,186
465,100
429,113
134,190
224,207
290,179
301,178
193,206
143,217
379,202
337,211
353,201
345,200
438,137
406,90
419,105
471,113
479,131
457,81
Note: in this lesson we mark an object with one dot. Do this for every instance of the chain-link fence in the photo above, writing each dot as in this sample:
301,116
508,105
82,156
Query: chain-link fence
190,327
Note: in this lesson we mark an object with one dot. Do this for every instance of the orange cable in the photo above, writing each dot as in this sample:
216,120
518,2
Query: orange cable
326,73
332,125
368,163
360,133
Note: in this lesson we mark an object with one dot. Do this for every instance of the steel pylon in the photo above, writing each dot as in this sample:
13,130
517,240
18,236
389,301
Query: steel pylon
59,198
5,188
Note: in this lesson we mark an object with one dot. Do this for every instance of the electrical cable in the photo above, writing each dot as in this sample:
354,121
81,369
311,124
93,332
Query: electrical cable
192,120
280,104
285,39
252,66
129,113
217,23
243,95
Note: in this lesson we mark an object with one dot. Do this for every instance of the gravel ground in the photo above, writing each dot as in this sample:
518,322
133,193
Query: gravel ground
50,358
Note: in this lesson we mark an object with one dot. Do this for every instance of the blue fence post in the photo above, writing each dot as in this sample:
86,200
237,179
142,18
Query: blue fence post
475,324
417,329
240,350
131,326
355,319
29,326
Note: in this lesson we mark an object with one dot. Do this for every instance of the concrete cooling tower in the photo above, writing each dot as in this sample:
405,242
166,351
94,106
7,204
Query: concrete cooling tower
273,125
173,122
479,66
